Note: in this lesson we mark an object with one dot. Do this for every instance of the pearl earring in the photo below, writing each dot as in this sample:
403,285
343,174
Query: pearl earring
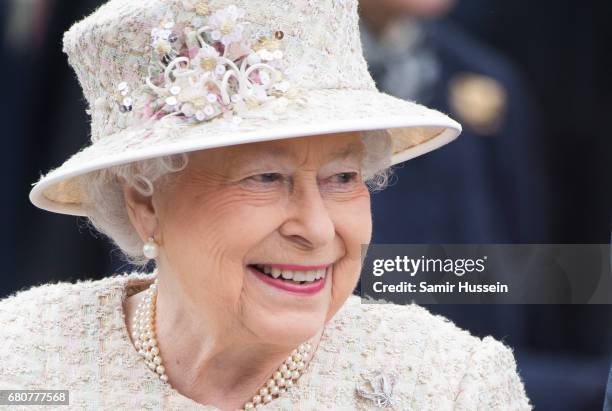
150,249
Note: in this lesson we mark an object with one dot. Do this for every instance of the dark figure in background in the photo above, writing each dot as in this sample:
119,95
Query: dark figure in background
489,186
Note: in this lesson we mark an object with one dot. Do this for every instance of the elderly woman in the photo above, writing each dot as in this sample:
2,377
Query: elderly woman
236,146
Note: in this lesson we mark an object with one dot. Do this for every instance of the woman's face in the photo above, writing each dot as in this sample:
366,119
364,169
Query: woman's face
291,205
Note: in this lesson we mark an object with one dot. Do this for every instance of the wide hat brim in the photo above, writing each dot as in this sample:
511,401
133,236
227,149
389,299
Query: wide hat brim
414,130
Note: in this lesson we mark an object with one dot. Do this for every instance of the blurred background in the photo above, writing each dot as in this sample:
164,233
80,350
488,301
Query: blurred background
530,82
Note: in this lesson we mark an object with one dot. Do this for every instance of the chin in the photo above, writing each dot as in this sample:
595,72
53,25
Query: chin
283,327
284,311
287,331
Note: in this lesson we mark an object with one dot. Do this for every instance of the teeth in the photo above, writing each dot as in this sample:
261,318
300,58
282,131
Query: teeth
297,276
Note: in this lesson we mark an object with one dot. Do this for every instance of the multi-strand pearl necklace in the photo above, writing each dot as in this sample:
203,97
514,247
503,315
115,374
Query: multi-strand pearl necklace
145,342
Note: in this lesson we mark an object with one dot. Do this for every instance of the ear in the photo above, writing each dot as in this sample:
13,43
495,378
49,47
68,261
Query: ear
141,211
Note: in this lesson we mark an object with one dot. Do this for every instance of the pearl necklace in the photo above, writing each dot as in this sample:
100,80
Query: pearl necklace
145,342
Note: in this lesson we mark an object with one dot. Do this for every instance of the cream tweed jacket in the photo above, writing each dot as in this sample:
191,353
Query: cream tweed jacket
73,337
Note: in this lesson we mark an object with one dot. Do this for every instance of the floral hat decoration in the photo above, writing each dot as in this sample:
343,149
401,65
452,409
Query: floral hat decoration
170,76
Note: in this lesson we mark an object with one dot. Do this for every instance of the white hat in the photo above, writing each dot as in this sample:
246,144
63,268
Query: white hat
171,76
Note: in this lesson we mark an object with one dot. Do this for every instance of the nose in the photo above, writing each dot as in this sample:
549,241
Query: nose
308,222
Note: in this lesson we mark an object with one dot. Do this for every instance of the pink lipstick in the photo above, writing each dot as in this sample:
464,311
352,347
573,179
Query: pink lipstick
306,288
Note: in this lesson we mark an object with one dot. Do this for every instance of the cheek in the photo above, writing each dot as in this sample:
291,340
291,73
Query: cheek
222,220
207,236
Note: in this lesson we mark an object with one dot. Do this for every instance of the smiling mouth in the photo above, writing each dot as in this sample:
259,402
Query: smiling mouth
295,277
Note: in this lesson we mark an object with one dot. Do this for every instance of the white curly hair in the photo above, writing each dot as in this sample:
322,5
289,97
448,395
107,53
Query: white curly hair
107,212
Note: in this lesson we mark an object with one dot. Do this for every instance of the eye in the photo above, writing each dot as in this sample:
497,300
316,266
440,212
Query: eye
266,177
345,178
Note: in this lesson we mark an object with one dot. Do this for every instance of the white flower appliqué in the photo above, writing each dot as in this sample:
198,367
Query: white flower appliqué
225,25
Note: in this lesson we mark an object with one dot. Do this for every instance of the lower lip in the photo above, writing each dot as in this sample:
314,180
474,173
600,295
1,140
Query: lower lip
304,289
